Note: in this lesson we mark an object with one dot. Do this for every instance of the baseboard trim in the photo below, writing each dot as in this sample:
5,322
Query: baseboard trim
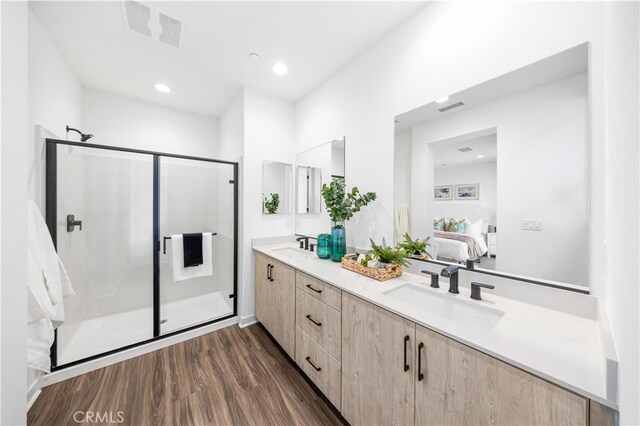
34,392
247,321
76,370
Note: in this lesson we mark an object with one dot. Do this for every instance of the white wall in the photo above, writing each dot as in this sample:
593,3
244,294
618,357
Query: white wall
268,134
542,170
120,121
232,129
362,100
55,93
13,196
423,59
483,174
55,100
623,164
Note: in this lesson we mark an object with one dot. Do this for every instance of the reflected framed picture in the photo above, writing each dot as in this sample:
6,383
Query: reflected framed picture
469,191
443,192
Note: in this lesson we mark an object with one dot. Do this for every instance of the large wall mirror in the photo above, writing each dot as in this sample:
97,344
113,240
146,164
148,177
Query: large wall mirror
500,172
315,167
276,187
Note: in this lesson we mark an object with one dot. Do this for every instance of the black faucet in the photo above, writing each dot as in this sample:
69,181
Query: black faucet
471,262
475,290
434,278
304,242
451,272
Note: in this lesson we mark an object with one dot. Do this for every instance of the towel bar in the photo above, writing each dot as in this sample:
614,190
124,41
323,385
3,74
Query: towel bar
164,242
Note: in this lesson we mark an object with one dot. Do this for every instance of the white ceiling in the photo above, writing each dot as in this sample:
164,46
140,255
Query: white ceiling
556,67
314,39
446,154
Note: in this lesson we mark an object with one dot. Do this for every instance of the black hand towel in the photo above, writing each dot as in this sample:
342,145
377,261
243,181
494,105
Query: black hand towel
192,249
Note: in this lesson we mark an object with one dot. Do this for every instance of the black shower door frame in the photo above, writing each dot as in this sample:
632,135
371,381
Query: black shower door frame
51,214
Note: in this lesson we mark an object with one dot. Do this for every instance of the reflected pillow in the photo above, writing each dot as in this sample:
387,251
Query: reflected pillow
438,224
473,228
456,225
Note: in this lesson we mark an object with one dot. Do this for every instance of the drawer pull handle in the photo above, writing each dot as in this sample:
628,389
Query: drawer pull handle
420,375
309,361
406,364
317,291
270,272
319,324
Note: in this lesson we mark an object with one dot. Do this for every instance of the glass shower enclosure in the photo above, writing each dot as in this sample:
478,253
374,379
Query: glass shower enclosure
112,213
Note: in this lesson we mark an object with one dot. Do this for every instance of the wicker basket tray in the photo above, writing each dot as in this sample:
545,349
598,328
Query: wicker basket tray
390,271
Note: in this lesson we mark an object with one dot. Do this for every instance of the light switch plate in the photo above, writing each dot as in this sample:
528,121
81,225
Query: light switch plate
531,225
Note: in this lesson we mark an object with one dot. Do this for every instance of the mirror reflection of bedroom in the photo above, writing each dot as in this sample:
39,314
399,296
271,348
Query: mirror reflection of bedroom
464,195
500,172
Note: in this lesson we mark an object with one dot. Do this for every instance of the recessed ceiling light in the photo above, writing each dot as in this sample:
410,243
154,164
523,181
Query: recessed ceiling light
162,88
254,57
279,68
480,156
442,99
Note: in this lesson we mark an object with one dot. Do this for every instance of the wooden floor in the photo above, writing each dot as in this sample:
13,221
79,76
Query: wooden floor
232,376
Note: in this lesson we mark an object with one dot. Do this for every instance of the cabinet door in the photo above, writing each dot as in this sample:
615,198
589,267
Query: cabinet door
462,386
377,347
283,306
263,292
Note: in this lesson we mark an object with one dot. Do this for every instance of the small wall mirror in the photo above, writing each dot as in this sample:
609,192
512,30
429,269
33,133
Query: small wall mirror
500,172
276,187
315,167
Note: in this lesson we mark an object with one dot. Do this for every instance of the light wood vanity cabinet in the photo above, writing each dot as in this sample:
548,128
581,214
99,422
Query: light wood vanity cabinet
378,368
275,300
462,386
319,334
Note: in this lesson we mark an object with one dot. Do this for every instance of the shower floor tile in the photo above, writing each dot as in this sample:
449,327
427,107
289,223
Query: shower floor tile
94,336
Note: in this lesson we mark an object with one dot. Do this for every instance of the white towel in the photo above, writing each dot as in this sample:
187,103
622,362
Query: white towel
38,302
402,222
39,340
47,285
180,273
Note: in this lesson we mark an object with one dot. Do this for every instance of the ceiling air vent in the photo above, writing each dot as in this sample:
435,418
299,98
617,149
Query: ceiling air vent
450,107
466,149
152,22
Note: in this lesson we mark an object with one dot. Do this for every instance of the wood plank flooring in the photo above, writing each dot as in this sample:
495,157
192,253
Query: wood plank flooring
232,376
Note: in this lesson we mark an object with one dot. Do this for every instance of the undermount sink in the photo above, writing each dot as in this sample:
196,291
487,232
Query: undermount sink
292,251
455,312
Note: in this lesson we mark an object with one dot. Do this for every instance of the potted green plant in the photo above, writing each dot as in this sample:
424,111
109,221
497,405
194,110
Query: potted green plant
388,255
416,247
271,206
342,205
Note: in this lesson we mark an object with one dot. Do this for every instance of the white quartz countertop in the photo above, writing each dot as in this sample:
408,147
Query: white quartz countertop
562,348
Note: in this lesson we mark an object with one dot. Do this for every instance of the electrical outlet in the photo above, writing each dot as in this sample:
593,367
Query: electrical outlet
531,225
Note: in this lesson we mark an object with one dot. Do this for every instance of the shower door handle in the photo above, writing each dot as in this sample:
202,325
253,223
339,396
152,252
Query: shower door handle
72,223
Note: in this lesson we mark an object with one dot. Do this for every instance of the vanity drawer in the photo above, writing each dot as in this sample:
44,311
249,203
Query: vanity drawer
320,290
323,369
320,322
